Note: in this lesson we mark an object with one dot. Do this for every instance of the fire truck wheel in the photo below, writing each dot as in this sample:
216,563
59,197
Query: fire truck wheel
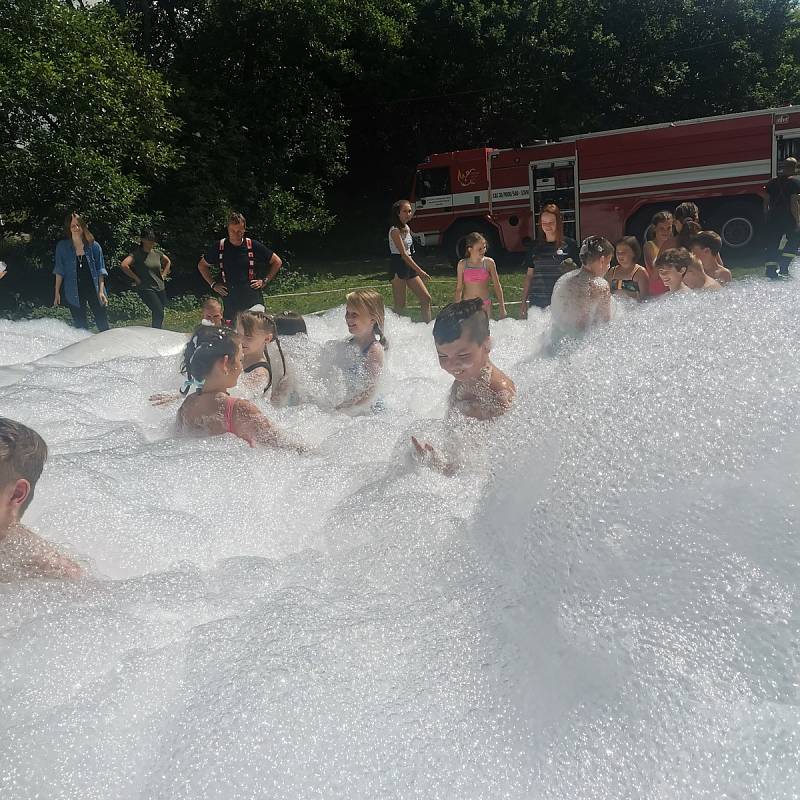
737,224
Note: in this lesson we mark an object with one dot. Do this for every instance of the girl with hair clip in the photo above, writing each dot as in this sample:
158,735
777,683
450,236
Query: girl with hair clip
212,362
405,272
260,370
473,275
364,316
661,225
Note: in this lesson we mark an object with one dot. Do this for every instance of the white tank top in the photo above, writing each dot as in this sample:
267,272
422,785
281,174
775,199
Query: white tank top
408,241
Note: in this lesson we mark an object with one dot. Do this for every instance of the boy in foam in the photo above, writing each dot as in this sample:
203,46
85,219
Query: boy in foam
582,298
23,554
706,246
480,390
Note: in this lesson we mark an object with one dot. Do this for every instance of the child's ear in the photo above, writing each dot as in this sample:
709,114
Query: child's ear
20,494
488,344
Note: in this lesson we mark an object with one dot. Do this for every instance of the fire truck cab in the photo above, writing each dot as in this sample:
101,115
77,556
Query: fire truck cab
608,183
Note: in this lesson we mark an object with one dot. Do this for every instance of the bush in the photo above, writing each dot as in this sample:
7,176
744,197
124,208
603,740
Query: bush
126,306
185,302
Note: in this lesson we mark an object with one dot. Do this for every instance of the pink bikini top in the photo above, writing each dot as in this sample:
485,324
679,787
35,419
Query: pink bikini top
476,274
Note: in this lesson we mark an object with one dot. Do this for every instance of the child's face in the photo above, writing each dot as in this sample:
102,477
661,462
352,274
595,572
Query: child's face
213,314
405,212
673,278
477,250
359,323
464,358
624,255
254,344
664,230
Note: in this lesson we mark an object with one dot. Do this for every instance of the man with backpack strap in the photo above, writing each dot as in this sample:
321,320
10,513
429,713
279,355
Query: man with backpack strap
244,267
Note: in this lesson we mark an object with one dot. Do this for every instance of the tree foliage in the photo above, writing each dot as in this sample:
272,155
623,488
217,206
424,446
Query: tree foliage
83,119
291,110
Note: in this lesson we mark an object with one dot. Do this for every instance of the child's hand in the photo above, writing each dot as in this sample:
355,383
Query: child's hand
424,275
102,297
427,455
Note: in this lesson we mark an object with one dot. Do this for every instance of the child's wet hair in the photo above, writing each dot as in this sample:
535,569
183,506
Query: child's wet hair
708,239
678,258
687,211
594,247
22,455
208,302
252,321
371,303
207,346
456,319
290,323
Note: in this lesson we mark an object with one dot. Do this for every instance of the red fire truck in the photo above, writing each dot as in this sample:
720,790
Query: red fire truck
608,183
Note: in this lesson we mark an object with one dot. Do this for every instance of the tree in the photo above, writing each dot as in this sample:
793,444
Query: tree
83,120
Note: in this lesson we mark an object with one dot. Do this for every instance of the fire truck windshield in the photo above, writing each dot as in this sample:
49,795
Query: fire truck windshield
432,182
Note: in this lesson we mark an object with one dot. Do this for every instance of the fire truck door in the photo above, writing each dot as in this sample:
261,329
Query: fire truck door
555,181
433,189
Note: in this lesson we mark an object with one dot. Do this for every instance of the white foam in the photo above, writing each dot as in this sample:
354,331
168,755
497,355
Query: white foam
603,604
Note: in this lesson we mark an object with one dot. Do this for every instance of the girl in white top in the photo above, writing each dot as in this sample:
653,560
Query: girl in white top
405,272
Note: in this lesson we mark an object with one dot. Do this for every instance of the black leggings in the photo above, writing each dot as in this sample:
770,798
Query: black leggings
156,301
79,312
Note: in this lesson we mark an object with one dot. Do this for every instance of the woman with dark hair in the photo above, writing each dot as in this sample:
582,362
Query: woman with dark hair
81,272
147,268
550,256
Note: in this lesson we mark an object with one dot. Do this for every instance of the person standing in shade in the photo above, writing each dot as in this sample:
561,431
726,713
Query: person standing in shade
545,261
244,266
148,268
80,272
782,213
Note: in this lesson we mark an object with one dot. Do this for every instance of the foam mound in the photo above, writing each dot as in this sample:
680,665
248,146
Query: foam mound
602,604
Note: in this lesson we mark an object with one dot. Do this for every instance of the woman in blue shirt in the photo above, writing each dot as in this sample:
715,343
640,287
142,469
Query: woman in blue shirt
81,272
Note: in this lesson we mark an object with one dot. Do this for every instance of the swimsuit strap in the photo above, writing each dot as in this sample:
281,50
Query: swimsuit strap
256,366
230,403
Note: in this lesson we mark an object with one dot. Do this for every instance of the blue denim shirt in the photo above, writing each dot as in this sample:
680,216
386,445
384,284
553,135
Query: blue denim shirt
67,267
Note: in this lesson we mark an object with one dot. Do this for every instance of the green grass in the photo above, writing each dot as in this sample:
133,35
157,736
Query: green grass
324,291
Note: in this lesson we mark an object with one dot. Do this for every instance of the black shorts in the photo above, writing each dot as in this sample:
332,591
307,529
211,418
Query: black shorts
399,268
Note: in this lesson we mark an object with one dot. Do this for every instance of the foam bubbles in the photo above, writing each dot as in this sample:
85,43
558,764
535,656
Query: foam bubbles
603,603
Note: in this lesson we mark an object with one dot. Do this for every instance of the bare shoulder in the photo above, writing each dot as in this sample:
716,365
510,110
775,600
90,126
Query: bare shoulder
599,286
502,385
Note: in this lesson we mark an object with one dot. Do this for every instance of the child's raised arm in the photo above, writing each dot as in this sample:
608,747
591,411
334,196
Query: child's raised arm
498,289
